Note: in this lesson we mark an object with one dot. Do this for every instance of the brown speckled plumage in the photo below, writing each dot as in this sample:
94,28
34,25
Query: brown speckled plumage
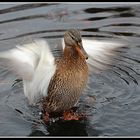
70,77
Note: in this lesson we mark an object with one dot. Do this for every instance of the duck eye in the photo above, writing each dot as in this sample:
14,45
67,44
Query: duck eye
72,38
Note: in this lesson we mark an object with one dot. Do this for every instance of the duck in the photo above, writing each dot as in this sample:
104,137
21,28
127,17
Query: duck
57,83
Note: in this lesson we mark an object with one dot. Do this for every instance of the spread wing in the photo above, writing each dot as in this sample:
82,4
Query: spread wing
24,59
34,63
101,53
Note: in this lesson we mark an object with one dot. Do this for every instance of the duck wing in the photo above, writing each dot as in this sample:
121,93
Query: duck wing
34,63
101,52
24,59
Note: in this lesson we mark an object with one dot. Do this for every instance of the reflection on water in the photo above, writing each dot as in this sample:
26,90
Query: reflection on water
70,128
115,112
65,128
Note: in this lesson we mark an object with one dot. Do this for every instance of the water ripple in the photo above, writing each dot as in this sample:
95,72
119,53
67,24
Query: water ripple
22,7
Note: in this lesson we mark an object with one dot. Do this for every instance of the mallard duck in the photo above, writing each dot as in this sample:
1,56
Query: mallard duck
57,83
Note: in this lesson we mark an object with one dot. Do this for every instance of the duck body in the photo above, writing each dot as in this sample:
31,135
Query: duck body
67,83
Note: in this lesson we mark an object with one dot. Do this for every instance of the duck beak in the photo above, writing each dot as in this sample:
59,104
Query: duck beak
82,50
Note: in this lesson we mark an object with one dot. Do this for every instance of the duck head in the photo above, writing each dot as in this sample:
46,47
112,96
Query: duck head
73,40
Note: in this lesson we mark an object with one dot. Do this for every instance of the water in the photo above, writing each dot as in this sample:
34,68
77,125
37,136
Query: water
116,110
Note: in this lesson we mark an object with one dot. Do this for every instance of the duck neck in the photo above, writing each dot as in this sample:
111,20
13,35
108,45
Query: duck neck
70,53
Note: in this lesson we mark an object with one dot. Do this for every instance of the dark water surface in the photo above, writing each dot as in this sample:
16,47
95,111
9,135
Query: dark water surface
116,110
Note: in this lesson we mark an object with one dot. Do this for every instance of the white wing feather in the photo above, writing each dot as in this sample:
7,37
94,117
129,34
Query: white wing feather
101,53
34,63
